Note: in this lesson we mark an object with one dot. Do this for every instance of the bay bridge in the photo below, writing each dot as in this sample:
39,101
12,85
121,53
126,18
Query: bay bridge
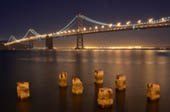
81,29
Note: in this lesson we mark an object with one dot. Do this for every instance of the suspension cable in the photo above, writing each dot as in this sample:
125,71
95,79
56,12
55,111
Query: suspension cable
11,38
93,21
67,26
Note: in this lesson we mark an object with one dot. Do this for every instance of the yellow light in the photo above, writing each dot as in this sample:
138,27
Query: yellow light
110,25
119,23
128,22
117,47
69,31
139,21
90,28
163,19
102,26
50,34
150,20
78,30
84,28
73,30
96,27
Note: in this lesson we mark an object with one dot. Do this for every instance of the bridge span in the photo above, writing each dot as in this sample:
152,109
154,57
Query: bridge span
81,30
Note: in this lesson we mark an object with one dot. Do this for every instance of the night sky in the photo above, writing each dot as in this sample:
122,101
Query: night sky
47,16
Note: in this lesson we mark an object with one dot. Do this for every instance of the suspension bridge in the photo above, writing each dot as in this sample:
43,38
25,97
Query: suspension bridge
76,27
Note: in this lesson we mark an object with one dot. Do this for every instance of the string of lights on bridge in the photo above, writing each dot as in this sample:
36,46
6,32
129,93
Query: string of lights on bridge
100,27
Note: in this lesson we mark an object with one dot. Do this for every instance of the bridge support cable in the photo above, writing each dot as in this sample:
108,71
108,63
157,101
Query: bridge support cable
11,38
32,31
93,21
68,25
84,18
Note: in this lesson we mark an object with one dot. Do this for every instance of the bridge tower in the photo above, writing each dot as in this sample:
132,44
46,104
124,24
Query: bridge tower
49,42
79,40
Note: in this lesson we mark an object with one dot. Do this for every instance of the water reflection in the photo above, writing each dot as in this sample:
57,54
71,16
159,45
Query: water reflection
152,106
23,106
77,103
40,68
97,86
105,110
62,99
120,101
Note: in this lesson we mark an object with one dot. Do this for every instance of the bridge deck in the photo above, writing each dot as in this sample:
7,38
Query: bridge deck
93,30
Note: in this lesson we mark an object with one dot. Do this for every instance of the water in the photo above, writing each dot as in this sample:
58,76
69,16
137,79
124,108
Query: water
41,69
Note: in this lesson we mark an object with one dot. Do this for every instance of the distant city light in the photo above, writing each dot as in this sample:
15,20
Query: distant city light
116,47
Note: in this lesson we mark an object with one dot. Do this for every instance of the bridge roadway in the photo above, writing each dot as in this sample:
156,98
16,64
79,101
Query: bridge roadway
91,30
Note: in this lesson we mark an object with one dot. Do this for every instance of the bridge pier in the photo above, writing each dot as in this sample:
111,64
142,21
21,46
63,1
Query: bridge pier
49,42
80,42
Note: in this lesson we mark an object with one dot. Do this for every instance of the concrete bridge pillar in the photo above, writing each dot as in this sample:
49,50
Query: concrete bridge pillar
80,42
49,42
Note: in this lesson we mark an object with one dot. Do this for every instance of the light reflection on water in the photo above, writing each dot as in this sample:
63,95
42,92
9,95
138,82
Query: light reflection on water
41,69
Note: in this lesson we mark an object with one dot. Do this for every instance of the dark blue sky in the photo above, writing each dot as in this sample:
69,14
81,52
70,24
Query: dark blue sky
45,16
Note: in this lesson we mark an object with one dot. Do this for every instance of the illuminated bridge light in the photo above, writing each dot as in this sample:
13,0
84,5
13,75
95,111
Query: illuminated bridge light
119,23
163,19
150,23
150,20
50,34
96,27
110,25
43,36
73,30
69,31
139,21
128,22
84,29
